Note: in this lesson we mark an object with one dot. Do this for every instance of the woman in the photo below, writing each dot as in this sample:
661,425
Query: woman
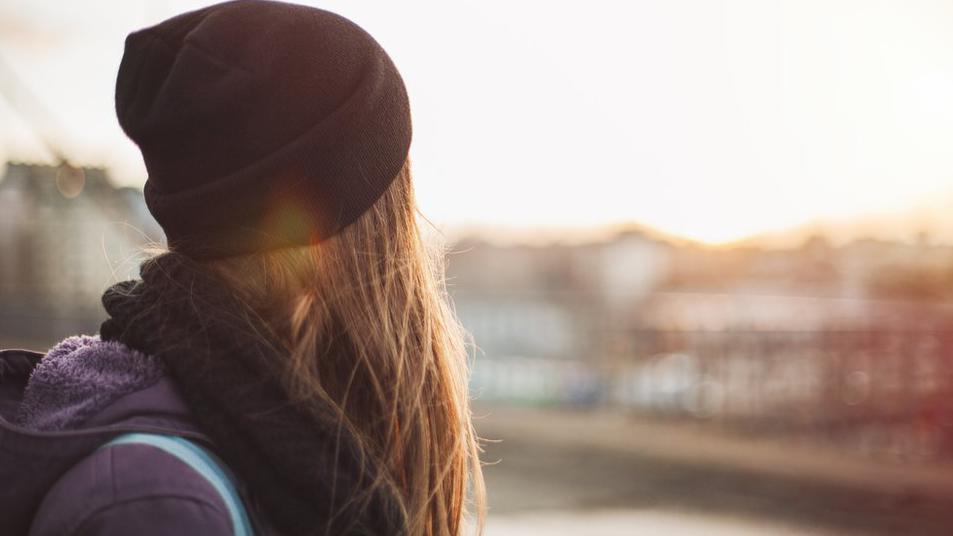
297,326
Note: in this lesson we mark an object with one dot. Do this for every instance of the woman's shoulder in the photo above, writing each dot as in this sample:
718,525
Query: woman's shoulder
132,489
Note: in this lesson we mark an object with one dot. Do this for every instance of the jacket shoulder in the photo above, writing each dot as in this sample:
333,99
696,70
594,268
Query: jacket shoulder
131,489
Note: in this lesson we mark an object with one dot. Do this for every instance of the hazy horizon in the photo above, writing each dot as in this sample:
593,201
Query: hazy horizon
900,226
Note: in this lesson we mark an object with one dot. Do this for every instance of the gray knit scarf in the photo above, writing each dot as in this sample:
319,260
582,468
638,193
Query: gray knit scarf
306,472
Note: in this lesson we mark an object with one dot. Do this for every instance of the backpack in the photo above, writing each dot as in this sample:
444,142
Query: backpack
203,462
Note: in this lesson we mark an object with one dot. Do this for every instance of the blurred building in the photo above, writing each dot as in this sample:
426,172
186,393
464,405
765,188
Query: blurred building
65,235
538,313
852,343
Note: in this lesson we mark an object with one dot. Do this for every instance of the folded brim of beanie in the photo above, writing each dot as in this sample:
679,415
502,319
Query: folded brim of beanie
301,194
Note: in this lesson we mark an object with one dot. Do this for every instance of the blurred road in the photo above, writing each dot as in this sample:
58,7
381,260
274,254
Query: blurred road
613,474
649,522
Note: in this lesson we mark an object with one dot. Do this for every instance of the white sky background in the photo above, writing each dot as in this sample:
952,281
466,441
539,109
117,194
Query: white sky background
709,119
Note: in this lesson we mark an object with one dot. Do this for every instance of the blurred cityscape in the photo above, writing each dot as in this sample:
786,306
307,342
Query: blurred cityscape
66,233
845,344
817,371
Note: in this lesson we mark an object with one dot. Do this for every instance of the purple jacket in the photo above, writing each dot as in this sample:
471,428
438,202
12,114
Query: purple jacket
56,410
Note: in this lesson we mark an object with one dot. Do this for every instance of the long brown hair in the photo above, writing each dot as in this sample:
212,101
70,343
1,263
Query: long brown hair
377,290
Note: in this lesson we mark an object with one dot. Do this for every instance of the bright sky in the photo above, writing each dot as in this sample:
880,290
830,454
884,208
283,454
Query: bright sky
704,118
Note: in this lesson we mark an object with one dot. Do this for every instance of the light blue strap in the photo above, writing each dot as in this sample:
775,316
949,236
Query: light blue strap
205,464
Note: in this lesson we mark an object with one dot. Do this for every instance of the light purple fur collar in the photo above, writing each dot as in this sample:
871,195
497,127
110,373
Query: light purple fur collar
79,377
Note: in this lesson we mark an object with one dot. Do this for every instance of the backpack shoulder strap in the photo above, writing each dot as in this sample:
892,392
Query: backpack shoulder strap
203,462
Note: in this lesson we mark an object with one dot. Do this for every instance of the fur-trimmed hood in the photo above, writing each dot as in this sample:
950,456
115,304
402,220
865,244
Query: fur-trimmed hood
59,407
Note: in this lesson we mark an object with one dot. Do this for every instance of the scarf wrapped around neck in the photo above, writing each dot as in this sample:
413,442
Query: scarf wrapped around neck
305,473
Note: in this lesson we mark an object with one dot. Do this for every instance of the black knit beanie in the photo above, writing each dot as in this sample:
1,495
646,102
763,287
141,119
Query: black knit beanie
262,124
